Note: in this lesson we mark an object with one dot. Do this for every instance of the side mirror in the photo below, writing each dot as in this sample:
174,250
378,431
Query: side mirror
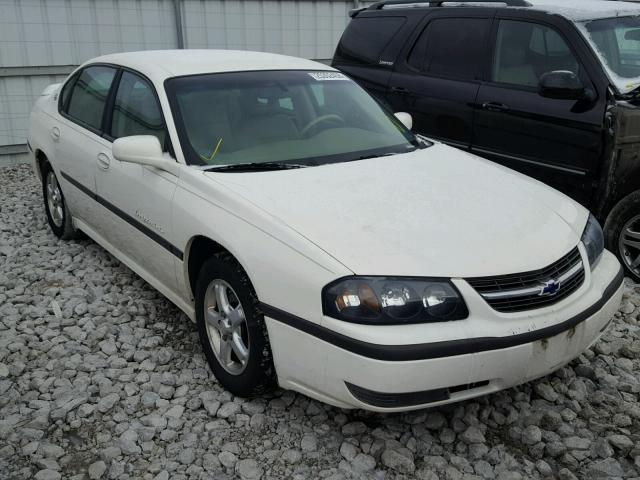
143,150
405,119
561,85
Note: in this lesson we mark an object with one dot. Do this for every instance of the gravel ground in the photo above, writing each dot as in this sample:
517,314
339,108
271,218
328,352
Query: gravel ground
101,377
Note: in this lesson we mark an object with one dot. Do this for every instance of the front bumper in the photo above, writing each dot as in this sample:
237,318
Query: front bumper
386,369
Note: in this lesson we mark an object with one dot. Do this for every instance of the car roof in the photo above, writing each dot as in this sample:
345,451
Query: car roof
159,65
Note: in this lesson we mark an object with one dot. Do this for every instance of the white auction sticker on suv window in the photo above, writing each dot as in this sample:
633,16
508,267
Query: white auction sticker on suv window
322,76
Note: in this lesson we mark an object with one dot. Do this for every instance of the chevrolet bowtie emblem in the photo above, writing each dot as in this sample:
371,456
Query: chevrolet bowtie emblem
549,289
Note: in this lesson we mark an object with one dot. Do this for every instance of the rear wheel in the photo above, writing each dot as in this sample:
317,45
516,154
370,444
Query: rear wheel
55,206
622,233
232,329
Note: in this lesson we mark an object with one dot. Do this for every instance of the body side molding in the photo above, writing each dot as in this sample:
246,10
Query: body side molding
163,242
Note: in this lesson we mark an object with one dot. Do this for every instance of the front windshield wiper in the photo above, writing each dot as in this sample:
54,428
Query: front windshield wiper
255,167
423,142
378,155
633,93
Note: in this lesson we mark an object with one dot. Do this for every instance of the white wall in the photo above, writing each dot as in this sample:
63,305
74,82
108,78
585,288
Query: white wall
301,28
58,34
68,32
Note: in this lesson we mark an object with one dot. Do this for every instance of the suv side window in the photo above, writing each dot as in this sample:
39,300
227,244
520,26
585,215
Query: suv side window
451,47
136,110
525,51
89,95
366,38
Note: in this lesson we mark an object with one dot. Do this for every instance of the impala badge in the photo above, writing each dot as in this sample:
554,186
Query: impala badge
148,221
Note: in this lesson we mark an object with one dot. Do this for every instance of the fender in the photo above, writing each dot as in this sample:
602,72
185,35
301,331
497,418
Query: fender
201,205
39,138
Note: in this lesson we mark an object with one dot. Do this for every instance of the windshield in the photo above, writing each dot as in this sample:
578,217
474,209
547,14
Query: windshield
301,117
617,42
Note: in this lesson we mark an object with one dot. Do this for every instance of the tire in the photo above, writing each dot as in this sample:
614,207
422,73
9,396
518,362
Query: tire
257,376
55,206
623,220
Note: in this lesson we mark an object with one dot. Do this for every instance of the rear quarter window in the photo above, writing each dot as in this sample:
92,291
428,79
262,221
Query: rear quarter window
65,94
365,39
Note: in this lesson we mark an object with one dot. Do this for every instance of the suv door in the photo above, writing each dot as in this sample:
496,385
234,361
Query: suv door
556,141
78,137
137,199
438,76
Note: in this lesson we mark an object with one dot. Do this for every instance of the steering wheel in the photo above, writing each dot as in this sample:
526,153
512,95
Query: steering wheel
331,117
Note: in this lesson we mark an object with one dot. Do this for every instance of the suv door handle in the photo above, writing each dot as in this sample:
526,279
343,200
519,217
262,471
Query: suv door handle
401,91
55,134
103,161
495,107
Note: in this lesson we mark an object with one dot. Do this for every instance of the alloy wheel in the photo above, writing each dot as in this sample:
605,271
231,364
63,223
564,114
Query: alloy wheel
226,326
629,243
54,200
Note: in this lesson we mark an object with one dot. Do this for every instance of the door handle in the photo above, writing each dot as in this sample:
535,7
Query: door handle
495,107
55,134
401,91
103,161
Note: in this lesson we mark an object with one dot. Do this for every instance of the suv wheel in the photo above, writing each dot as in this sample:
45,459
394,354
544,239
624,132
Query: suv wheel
55,206
622,233
232,329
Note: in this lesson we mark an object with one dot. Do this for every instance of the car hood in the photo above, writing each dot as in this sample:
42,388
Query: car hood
435,212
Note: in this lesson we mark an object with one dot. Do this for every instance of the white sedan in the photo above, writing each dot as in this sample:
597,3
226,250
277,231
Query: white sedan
316,242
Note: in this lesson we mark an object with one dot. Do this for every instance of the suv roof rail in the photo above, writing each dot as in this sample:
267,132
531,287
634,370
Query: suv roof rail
432,3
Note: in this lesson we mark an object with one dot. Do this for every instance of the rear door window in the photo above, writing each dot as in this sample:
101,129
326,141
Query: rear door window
366,38
451,47
525,51
89,96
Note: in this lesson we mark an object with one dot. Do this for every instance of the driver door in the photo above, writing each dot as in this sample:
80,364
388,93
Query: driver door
137,199
555,141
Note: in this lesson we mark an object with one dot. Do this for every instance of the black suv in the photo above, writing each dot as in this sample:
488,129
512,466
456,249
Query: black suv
550,90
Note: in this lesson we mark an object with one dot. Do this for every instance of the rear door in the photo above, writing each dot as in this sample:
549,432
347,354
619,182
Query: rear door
136,199
439,74
78,136
556,141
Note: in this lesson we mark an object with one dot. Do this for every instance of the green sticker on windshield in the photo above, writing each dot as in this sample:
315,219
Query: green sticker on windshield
323,76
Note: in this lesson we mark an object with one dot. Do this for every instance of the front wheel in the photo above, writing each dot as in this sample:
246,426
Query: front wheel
232,329
622,233
58,214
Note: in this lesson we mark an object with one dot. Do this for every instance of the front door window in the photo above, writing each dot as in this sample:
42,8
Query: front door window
525,51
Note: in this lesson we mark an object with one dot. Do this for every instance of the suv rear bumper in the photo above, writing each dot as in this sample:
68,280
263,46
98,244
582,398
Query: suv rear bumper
350,373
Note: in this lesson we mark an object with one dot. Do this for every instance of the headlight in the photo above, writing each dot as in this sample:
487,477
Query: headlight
593,240
393,300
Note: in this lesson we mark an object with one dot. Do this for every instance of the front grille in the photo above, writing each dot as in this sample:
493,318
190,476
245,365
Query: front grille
523,291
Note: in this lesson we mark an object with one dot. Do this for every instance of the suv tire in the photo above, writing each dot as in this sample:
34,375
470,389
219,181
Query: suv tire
622,233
